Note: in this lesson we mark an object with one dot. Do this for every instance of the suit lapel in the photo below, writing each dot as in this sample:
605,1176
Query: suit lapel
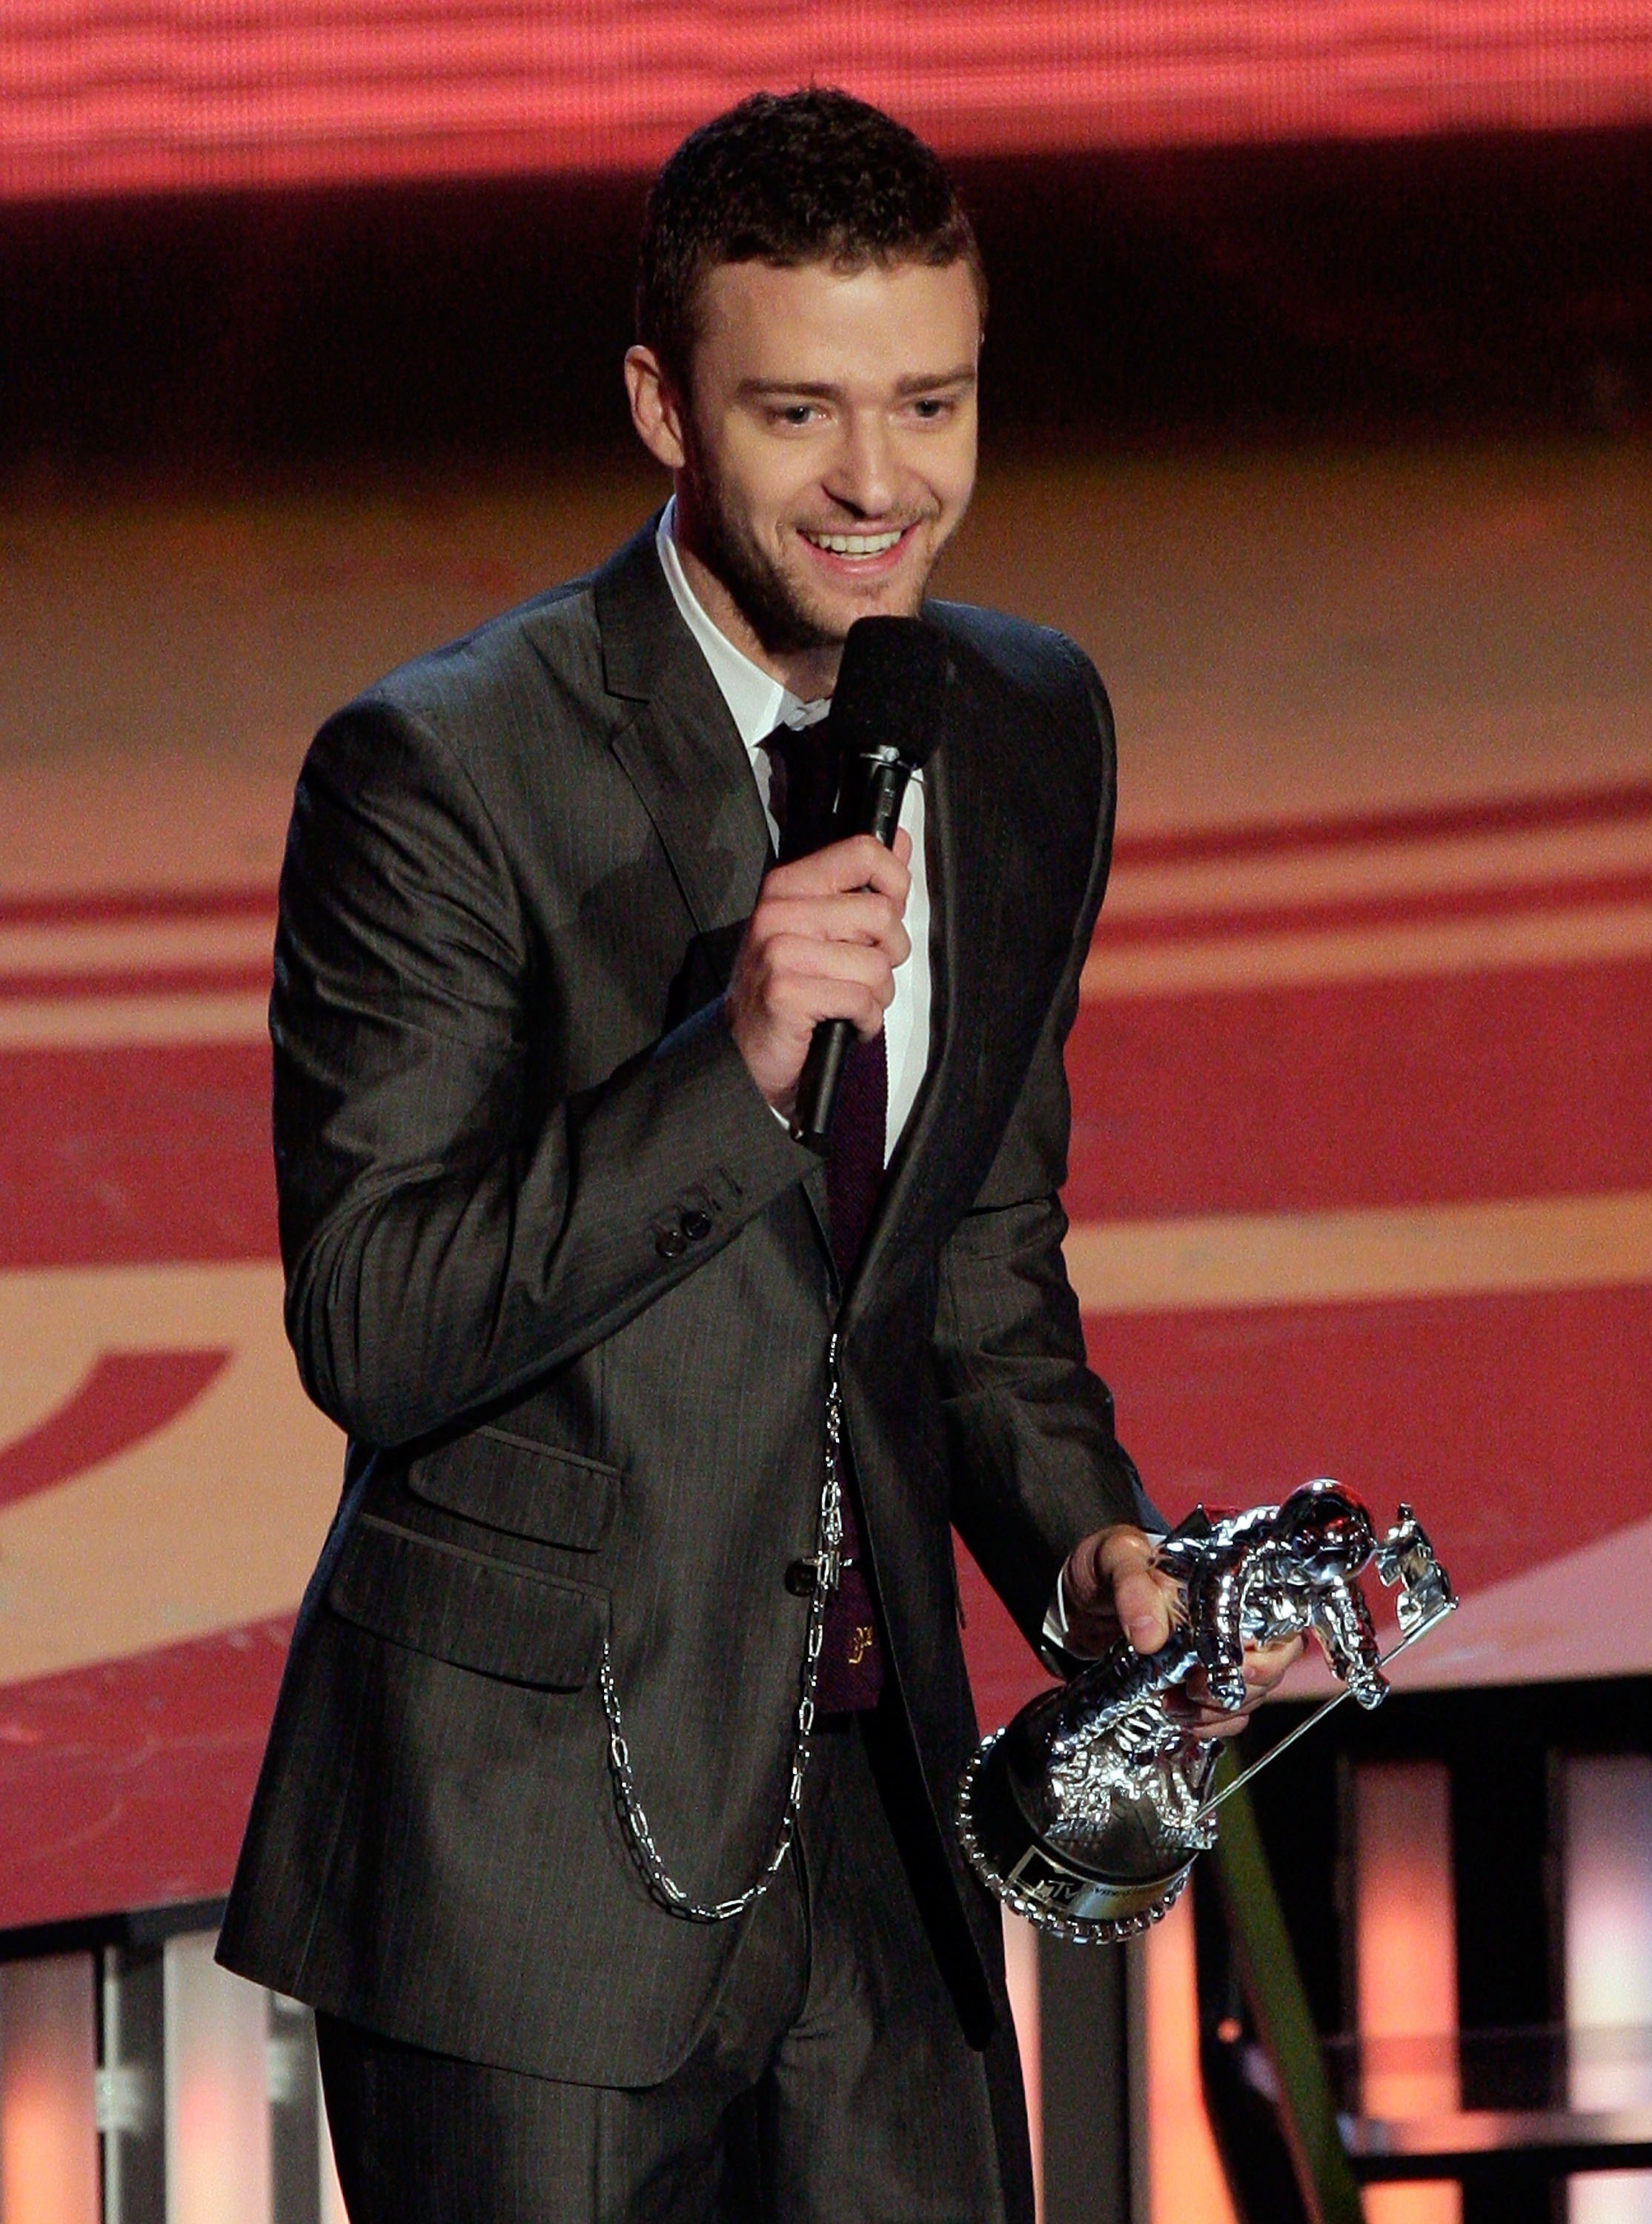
680,750
710,827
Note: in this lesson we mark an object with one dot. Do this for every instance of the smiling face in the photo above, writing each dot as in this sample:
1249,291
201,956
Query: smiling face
826,452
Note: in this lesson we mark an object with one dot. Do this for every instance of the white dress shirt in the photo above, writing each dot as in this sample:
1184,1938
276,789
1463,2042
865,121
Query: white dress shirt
757,703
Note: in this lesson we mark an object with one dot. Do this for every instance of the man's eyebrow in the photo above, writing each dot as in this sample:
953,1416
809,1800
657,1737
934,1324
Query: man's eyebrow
812,390
926,381
929,381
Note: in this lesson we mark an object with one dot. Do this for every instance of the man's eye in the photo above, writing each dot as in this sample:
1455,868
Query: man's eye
929,407
797,412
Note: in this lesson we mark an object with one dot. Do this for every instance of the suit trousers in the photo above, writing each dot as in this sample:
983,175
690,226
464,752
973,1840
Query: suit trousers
831,2080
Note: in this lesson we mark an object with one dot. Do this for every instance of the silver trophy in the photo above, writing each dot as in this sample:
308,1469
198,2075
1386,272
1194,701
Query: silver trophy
1086,1813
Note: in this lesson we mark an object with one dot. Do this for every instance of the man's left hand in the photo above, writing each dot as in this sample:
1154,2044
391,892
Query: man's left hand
1111,1583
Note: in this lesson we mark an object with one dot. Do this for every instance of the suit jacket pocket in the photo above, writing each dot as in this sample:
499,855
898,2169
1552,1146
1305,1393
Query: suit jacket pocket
460,1606
524,1488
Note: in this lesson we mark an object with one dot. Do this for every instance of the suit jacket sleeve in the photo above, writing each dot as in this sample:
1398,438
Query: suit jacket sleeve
446,1233
1035,1461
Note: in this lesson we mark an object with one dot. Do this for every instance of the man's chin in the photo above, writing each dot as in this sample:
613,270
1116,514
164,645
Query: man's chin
826,617
794,614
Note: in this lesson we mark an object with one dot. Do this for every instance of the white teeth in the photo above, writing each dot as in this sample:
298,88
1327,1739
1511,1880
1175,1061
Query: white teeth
853,544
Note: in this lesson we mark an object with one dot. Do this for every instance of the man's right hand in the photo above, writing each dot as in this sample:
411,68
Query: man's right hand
822,944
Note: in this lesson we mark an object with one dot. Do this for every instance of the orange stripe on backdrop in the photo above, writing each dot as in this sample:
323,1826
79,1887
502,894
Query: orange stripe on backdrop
132,95
1544,935
1405,1941
29,949
1416,1251
1186,2182
1307,873
1193,917
123,1022
1399,824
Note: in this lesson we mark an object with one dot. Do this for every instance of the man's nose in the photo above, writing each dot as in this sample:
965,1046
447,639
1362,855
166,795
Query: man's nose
865,474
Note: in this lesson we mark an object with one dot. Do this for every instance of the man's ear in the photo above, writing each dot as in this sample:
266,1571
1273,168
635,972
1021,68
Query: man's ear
656,411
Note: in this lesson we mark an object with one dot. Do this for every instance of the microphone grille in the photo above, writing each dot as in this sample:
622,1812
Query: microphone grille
889,685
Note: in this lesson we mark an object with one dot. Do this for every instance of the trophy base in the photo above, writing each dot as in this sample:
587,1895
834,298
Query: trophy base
1050,1892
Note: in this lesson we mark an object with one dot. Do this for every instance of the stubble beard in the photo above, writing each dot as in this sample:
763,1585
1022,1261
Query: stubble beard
772,602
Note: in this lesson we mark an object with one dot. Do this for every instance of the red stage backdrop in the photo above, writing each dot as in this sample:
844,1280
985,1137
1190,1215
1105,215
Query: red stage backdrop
140,96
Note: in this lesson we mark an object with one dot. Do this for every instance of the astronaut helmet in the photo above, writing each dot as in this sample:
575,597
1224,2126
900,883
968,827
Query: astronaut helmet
1327,1531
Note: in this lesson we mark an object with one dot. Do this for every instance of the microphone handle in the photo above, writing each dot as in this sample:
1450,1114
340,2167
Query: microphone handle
875,811
818,1083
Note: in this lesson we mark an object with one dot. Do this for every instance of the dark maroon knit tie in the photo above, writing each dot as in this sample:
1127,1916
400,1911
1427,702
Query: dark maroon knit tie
801,796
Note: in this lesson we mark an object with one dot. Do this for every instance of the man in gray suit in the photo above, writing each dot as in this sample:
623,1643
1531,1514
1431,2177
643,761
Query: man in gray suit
611,1905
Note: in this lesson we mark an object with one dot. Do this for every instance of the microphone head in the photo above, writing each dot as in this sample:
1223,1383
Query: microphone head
890,684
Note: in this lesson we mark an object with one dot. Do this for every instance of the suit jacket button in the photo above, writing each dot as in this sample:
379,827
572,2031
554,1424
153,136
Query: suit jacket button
696,1224
800,1578
670,1243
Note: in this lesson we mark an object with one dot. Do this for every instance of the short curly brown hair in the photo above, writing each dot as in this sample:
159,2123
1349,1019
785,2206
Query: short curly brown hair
809,176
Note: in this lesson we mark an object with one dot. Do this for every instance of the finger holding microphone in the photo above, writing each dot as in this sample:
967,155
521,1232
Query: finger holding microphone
816,964
822,944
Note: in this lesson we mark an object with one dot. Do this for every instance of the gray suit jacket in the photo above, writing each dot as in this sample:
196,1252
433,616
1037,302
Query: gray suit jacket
562,1276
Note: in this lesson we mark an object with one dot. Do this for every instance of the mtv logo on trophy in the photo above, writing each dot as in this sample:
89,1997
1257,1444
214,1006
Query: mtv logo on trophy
1086,1813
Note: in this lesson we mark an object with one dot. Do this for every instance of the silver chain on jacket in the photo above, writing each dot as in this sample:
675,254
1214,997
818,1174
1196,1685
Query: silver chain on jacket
828,1568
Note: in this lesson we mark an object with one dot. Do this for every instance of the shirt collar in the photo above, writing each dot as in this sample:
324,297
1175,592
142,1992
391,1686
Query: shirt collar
757,702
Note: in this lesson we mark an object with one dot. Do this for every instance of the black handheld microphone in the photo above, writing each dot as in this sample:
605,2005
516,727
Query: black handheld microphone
885,722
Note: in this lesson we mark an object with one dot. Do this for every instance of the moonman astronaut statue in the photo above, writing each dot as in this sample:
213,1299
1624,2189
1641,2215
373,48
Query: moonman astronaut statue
1085,1815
